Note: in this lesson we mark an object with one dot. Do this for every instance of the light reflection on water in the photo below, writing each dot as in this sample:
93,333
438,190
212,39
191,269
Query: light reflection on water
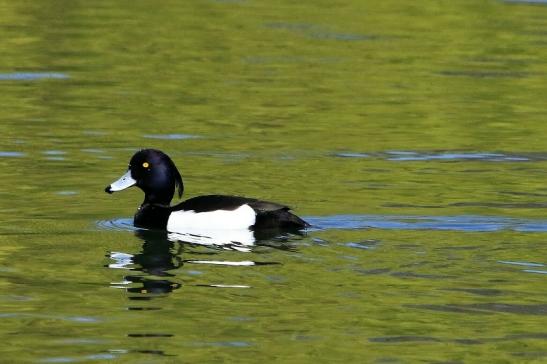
171,136
395,156
462,223
7,154
413,156
32,76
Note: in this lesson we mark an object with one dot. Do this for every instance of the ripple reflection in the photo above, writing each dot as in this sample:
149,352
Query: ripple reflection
154,271
468,223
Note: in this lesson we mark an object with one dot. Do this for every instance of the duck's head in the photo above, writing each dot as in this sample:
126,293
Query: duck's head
153,172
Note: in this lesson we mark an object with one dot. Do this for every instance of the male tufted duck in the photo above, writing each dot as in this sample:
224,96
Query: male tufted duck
156,175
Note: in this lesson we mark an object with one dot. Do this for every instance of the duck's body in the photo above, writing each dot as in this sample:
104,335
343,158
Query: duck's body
217,212
155,173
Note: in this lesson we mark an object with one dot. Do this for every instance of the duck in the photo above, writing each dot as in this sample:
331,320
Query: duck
156,175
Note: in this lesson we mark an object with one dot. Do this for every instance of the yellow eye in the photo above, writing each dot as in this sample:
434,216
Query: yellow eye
146,165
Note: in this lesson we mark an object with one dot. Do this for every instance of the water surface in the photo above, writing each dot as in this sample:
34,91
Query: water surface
411,135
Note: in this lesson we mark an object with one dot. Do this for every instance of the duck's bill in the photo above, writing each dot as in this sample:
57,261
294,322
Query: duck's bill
124,182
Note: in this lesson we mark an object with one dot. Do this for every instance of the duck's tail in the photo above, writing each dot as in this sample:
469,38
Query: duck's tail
281,218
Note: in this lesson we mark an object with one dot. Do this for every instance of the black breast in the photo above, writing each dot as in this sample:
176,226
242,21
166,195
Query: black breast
152,216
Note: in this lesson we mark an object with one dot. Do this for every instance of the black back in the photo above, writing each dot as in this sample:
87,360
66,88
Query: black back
229,203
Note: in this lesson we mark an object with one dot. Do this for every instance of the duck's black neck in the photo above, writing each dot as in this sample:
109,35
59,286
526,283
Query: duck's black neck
152,216
158,198
154,211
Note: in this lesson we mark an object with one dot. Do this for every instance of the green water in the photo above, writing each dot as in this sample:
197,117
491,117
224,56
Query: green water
413,137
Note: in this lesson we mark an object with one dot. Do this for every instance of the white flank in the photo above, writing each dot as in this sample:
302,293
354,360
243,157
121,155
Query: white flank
183,221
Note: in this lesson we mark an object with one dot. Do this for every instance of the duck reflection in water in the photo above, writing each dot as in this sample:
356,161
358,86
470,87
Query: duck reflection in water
162,253
157,257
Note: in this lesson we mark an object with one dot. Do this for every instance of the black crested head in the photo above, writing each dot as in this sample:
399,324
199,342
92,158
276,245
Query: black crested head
156,174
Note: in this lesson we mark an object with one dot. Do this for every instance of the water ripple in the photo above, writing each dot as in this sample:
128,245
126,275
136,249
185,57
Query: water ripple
121,224
237,344
87,358
450,223
487,308
171,136
316,31
413,156
530,2
80,319
473,223
526,265
7,154
483,74
482,156
467,341
32,76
